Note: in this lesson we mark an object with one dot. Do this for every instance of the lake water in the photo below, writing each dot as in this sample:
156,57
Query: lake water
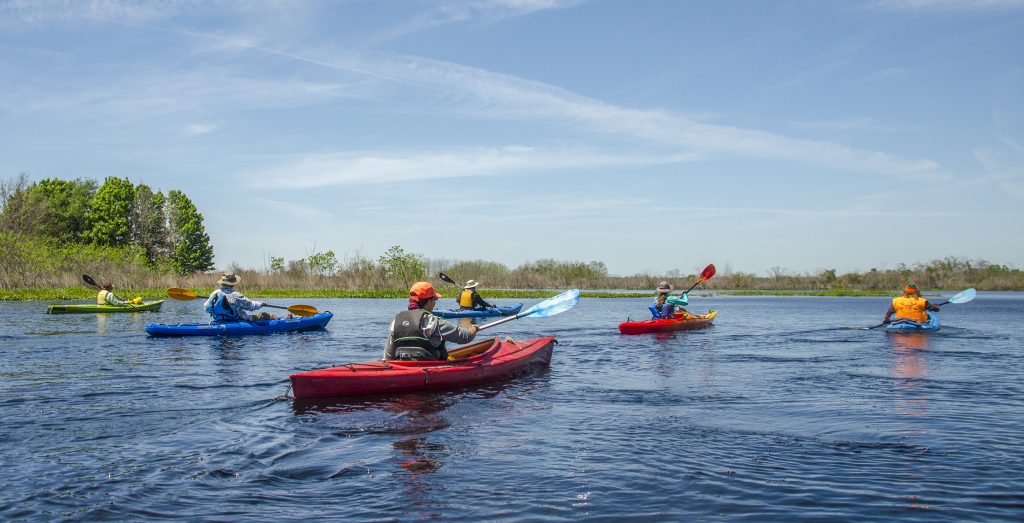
784,410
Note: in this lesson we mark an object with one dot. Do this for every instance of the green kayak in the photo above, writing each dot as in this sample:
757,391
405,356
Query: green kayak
76,309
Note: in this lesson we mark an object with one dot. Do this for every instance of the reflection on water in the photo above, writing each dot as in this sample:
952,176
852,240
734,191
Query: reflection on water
910,366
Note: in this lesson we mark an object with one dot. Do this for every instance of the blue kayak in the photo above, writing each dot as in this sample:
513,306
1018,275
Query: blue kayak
479,313
931,326
240,328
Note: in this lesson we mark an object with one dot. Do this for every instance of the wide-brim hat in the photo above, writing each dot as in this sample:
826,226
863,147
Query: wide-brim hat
229,278
471,284
422,290
664,287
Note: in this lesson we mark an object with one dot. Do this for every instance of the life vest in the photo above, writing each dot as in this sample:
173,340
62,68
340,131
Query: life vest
222,310
910,308
101,298
409,342
466,299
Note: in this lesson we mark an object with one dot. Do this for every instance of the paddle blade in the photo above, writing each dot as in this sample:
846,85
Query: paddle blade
963,296
445,277
88,279
554,305
181,294
708,272
303,310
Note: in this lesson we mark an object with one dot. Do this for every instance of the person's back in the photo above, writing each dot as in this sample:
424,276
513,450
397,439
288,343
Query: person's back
910,306
416,334
469,298
227,304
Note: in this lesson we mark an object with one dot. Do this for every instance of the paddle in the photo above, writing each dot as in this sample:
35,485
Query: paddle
549,307
299,310
87,279
445,277
963,296
705,275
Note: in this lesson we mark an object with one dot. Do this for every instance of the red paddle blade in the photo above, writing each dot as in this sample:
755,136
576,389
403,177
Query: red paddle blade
708,272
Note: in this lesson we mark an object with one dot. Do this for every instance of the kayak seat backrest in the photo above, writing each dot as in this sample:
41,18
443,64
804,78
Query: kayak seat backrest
414,354
655,312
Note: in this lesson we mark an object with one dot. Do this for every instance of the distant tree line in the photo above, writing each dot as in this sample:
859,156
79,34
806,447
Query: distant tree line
115,220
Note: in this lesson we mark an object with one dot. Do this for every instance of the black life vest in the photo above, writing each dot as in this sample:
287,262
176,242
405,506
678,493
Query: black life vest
410,343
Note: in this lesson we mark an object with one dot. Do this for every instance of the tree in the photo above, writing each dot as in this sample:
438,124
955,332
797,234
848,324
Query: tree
323,264
407,267
149,224
191,244
276,264
109,215
66,207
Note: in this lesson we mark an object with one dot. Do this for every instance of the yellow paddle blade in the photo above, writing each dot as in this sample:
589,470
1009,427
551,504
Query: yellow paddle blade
303,310
181,294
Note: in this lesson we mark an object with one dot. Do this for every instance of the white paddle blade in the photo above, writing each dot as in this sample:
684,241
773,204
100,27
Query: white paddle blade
964,296
554,305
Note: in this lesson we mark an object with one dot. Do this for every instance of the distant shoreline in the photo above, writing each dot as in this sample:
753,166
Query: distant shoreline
495,294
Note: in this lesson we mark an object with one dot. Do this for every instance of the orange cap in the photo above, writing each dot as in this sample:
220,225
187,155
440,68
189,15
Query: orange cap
422,290
910,288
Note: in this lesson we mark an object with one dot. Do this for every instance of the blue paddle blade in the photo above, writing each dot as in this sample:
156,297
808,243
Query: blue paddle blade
553,305
963,296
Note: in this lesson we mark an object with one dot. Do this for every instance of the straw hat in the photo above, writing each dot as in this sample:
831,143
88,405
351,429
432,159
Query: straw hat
664,287
471,284
229,278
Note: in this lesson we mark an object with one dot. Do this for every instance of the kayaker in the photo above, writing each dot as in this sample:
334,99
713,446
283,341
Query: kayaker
106,296
909,307
416,334
665,305
226,304
470,299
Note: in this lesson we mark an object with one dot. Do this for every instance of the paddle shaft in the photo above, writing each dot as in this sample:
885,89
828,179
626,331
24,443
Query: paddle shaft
265,304
705,275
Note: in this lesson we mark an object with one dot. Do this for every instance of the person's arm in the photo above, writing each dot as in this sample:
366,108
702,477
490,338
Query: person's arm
930,306
888,313
208,306
389,348
444,330
112,299
478,301
240,302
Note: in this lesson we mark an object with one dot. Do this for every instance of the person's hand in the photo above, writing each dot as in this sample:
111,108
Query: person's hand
258,304
886,321
474,329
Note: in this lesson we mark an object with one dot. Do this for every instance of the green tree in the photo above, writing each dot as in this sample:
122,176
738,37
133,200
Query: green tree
149,224
406,267
192,251
110,212
323,264
276,264
66,207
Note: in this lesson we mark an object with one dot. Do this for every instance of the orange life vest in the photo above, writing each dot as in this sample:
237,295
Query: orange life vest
101,298
911,308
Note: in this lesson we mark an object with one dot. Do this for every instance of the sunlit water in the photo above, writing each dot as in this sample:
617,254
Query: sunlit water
783,410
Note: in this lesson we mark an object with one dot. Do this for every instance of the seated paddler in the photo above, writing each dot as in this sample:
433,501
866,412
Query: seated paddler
106,296
469,298
227,304
416,334
909,307
665,305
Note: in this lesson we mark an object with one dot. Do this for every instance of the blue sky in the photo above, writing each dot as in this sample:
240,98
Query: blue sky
649,135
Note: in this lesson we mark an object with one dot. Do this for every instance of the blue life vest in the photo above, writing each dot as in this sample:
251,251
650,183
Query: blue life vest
222,310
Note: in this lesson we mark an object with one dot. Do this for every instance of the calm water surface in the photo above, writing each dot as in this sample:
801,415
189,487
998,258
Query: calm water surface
782,411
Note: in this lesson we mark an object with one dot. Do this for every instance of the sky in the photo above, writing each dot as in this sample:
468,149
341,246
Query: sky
652,136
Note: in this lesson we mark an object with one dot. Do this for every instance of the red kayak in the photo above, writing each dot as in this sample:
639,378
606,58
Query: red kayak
483,362
682,322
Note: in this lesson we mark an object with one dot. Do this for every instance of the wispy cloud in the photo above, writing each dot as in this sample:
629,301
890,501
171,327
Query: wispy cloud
864,123
199,128
949,5
359,168
486,11
297,210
